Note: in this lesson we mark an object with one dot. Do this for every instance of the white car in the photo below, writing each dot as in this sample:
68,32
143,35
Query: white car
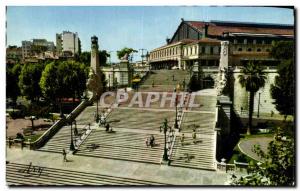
175,68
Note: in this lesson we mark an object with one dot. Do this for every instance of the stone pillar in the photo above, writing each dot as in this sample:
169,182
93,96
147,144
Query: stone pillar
179,63
95,65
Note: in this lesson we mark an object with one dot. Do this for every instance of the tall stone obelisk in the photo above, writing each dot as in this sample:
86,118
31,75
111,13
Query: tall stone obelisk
223,66
94,84
95,65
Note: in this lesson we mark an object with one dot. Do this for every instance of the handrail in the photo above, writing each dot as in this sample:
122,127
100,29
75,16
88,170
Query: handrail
58,125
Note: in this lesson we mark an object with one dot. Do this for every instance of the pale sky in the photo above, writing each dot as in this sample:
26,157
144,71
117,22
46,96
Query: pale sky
116,27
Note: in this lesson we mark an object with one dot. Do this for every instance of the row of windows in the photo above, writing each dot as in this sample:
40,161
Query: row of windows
251,50
166,52
204,50
252,41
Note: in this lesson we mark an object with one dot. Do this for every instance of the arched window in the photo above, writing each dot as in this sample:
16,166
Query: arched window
249,50
240,49
258,50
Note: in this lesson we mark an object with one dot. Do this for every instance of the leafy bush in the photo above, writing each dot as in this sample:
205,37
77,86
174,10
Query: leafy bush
20,136
16,114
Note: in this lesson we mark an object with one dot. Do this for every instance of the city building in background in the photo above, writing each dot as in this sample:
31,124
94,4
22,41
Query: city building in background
67,44
13,54
38,49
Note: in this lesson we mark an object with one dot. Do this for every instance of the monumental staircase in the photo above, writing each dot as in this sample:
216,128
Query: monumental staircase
30,175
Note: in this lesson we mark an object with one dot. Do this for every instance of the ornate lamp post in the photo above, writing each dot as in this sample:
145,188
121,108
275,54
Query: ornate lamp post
165,128
258,105
176,103
72,147
97,112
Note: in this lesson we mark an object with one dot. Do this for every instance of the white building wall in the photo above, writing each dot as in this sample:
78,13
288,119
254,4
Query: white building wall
241,97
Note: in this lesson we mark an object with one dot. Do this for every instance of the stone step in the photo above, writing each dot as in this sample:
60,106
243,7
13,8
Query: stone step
201,154
52,176
123,146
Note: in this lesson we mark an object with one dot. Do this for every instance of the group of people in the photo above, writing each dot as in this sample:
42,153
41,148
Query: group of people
194,136
150,141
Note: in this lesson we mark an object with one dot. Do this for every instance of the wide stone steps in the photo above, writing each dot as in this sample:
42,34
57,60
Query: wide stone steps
61,140
204,122
190,155
59,177
165,77
139,119
122,146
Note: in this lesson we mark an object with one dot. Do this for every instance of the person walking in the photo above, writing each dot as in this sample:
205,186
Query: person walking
147,142
64,155
182,139
194,136
152,139
107,127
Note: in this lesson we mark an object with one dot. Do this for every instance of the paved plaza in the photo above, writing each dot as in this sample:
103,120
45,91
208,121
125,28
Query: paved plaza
86,168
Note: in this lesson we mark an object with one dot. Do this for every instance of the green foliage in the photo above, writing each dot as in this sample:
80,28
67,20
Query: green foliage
283,90
49,82
85,58
103,55
278,167
283,50
16,114
12,79
20,136
252,78
124,51
29,81
229,87
72,77
63,79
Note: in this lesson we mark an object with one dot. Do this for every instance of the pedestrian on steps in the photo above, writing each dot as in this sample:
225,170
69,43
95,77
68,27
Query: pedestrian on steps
182,139
107,127
64,155
194,136
147,142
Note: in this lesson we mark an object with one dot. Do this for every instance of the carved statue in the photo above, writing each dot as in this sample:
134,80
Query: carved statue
125,57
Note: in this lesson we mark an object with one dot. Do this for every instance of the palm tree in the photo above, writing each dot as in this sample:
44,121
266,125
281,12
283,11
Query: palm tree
252,78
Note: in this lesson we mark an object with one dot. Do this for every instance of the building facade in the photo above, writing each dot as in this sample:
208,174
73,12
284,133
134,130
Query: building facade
13,54
67,44
199,43
37,48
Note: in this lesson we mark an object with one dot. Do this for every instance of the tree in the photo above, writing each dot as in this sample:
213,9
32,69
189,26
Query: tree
63,80
71,78
252,78
12,79
85,58
282,50
103,55
283,90
29,81
124,51
278,167
49,82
